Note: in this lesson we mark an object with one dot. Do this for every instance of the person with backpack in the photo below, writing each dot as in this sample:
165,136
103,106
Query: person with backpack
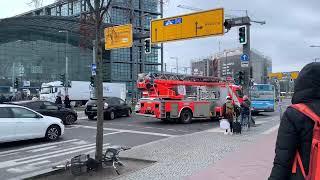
297,153
245,109
229,114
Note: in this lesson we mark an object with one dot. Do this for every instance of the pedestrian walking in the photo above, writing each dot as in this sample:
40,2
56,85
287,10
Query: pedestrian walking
58,100
229,114
245,109
297,156
67,102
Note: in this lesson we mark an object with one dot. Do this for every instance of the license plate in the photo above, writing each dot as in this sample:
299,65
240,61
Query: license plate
94,108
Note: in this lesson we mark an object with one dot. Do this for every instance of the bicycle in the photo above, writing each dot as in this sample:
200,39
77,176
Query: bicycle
83,163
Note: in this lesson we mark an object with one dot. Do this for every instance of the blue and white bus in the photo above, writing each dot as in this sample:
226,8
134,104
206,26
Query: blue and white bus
263,98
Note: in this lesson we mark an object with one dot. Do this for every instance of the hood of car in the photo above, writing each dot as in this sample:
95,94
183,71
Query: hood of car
53,119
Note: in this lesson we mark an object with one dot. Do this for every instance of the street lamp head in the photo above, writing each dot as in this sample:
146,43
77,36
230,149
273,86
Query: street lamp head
314,46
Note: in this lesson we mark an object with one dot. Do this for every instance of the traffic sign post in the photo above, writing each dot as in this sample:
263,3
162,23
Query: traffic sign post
244,60
93,69
194,25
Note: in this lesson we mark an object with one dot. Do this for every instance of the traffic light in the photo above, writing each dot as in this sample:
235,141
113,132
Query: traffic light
63,79
243,35
16,83
147,46
241,78
92,81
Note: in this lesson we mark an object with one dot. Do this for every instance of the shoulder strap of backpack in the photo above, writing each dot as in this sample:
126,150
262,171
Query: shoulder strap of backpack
304,109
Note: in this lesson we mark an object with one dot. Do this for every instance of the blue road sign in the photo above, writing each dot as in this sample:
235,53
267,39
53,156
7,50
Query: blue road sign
172,21
244,57
93,69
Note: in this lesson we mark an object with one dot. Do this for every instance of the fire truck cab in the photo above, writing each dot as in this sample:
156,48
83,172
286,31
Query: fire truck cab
183,98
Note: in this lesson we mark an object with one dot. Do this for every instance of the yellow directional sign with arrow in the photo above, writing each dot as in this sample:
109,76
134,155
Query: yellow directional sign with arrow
194,25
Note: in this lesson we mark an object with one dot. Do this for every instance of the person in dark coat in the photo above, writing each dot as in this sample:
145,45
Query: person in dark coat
58,100
245,108
2,99
296,129
67,102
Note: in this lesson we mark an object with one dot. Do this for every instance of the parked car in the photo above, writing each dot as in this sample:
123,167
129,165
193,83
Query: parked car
21,123
68,116
113,107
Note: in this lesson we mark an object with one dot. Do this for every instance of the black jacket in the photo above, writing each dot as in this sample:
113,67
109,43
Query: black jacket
296,129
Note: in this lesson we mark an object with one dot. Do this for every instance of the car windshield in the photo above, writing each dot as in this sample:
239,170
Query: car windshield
45,90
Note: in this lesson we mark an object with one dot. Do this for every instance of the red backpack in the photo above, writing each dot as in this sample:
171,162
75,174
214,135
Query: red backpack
314,163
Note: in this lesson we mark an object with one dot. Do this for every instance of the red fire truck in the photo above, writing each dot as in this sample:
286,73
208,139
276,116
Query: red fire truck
183,98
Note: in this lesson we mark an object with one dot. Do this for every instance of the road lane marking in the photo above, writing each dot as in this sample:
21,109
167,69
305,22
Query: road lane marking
28,167
12,163
42,149
269,131
81,142
111,133
9,154
104,149
131,131
37,146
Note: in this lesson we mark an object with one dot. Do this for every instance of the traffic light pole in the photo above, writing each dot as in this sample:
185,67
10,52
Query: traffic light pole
247,51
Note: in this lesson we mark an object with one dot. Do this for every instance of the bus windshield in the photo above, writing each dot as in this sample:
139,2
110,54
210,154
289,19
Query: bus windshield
263,92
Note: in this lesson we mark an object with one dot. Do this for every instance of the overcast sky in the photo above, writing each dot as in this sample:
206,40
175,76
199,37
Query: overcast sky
291,27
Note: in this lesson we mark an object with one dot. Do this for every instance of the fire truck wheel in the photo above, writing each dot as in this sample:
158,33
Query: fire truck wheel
186,116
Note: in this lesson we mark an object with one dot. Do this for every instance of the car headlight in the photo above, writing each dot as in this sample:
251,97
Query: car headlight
105,105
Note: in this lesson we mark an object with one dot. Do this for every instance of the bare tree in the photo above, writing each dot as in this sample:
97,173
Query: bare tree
98,9
35,3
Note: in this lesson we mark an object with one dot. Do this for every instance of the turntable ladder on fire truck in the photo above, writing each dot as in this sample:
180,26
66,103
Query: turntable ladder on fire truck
170,96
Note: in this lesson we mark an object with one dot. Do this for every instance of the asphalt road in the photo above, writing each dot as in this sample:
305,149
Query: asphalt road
24,158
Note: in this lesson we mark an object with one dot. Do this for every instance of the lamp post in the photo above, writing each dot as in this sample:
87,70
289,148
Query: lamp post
177,63
67,61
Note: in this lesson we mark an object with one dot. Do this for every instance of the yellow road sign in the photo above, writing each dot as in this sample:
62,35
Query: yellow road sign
194,25
294,75
278,76
118,37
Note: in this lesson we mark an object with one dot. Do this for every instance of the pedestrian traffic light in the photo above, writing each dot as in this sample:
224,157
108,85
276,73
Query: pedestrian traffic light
241,78
243,35
92,81
16,83
147,46
63,79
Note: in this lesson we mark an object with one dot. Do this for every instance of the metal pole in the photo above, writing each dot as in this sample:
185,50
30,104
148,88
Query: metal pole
165,68
94,49
177,65
67,62
13,76
161,10
247,51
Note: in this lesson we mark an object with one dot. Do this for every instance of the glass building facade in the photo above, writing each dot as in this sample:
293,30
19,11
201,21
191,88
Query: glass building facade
39,57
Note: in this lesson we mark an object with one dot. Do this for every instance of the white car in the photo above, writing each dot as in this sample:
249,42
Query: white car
20,123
